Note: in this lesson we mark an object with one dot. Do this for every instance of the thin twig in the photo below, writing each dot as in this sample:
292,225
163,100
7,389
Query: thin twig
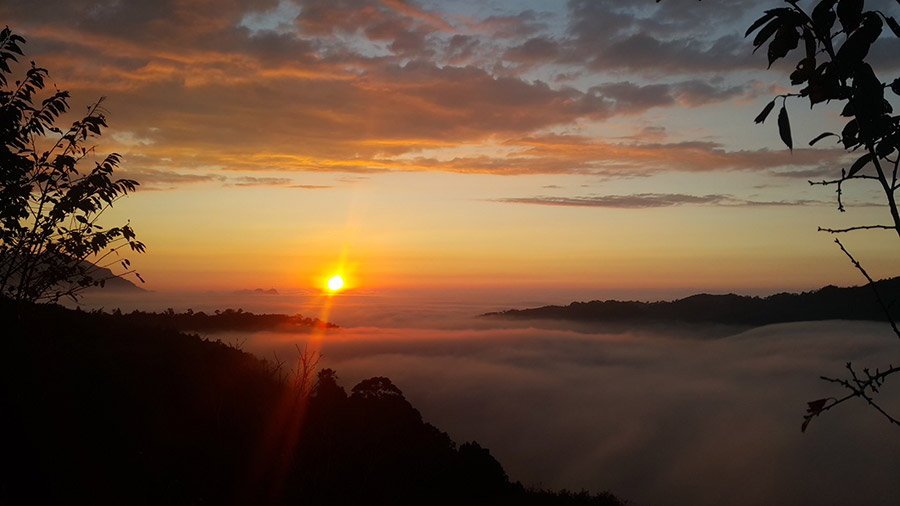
860,390
828,182
881,303
850,229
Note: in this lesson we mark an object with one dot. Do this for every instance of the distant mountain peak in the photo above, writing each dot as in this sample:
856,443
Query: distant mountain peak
113,283
827,303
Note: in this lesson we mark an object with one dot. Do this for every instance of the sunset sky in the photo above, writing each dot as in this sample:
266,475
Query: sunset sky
599,146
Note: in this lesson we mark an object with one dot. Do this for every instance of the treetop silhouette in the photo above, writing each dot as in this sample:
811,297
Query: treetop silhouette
51,244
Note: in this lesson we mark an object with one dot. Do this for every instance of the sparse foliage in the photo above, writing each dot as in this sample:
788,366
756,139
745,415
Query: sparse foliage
837,37
302,379
51,244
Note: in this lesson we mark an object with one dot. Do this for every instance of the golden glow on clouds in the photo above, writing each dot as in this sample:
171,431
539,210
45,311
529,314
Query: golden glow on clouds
398,138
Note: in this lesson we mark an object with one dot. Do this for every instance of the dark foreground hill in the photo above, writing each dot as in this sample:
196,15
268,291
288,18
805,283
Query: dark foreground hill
104,411
829,303
229,319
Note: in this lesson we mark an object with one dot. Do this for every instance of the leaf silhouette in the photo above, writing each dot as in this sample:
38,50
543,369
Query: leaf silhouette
894,26
859,164
766,33
823,18
820,137
785,40
849,12
761,21
765,112
816,407
806,420
784,128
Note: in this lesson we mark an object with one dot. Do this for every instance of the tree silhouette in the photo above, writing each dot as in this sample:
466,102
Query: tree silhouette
837,37
327,387
51,244
378,387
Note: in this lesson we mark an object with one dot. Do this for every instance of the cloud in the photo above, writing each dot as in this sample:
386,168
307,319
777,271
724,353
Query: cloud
630,98
401,28
534,50
649,200
655,134
361,86
671,38
131,139
643,53
674,414
312,187
519,26
460,49
655,418
547,154
353,179
259,181
885,56
781,203
570,154
696,92
638,200
612,35
157,179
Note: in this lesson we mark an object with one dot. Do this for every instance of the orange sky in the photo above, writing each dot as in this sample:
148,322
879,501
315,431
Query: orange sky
425,144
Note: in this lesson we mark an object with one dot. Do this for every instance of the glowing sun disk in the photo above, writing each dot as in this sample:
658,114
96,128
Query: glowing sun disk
335,283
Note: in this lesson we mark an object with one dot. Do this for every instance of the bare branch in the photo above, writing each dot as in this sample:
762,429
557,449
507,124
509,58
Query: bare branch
859,388
826,182
851,229
881,303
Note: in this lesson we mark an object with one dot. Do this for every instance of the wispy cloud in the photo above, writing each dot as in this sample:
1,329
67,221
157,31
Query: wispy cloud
259,181
156,179
639,200
650,200
312,187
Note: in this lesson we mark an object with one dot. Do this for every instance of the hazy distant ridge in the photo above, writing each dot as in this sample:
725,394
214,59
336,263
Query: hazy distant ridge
115,283
229,319
828,303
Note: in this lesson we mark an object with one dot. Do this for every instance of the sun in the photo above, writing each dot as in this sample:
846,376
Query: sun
336,283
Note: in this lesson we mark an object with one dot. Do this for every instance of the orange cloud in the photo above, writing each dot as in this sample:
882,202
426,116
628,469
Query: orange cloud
208,94
412,11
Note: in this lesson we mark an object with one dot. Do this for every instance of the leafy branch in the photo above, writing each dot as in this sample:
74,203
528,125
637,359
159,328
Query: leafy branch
837,36
51,244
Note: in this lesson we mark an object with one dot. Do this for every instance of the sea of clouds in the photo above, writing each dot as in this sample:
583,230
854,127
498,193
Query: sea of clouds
656,419
671,415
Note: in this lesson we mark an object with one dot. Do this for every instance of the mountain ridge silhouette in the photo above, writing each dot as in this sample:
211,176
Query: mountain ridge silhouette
827,303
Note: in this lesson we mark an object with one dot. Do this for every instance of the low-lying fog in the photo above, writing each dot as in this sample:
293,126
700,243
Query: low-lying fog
659,418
